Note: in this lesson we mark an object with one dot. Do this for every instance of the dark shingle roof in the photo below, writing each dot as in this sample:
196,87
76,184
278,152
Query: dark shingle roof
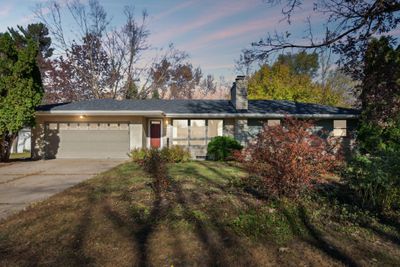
290,107
198,106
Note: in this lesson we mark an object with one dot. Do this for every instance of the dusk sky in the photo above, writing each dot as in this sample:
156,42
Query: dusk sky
212,32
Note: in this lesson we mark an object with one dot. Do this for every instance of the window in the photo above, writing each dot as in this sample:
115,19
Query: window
255,123
93,126
197,132
339,128
180,132
214,128
63,126
274,122
83,126
52,126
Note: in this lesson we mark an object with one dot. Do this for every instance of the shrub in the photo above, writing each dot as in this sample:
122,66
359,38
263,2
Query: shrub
175,154
155,165
375,180
222,147
374,139
138,154
286,160
154,162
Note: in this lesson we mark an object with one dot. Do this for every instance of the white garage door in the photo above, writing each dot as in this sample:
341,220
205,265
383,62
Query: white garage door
87,140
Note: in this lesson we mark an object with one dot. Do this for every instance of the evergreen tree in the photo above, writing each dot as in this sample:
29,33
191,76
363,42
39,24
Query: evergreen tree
20,89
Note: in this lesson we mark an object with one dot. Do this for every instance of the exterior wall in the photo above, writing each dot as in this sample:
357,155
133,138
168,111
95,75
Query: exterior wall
38,140
136,133
241,129
39,131
23,141
324,127
229,127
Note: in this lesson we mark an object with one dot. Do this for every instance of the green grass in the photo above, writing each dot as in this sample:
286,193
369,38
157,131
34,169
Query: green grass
23,155
205,218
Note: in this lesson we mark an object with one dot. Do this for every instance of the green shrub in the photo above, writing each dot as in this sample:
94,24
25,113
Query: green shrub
374,139
175,154
375,180
138,154
222,147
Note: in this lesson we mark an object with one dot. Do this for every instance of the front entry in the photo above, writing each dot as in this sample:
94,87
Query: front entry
155,134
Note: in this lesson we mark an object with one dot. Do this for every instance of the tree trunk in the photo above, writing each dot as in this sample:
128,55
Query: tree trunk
5,146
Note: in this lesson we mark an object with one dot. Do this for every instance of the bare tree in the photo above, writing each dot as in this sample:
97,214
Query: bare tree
107,62
104,58
349,26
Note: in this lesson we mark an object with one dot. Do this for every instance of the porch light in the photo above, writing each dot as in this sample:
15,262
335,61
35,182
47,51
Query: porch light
82,116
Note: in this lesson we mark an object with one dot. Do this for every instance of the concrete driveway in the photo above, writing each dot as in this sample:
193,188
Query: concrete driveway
22,183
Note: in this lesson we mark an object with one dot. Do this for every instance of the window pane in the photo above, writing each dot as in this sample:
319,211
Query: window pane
339,124
339,132
339,128
180,142
197,132
274,122
214,128
198,129
180,129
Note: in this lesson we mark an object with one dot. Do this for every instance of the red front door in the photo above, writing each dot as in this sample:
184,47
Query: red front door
155,134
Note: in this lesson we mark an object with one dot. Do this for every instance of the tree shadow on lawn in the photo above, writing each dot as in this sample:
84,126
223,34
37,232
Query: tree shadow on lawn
314,236
36,236
317,241
339,195
221,245
215,239
320,243
139,231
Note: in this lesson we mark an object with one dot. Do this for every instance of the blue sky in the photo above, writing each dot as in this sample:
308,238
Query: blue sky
213,32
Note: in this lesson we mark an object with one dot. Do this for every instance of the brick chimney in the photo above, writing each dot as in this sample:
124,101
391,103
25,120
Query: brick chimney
239,93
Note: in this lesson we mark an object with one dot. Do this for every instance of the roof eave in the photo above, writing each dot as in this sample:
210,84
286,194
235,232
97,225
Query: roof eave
261,115
192,115
102,112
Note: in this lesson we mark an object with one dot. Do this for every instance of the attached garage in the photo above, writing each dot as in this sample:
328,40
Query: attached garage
87,140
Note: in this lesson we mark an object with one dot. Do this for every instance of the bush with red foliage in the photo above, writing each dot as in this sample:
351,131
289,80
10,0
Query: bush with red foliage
287,159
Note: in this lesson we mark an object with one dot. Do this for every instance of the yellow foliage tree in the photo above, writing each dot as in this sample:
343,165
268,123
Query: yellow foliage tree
279,82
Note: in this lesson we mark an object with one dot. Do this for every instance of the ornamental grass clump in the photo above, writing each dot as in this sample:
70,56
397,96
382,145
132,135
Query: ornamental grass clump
285,160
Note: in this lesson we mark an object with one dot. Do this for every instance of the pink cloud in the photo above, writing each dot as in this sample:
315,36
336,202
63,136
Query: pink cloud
233,31
213,13
174,9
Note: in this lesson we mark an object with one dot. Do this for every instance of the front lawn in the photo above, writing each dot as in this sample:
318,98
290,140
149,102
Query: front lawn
23,155
205,219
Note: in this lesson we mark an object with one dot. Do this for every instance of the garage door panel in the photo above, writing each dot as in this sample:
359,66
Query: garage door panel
91,143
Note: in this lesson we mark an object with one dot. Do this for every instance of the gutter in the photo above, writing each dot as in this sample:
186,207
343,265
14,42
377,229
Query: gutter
193,115
261,115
